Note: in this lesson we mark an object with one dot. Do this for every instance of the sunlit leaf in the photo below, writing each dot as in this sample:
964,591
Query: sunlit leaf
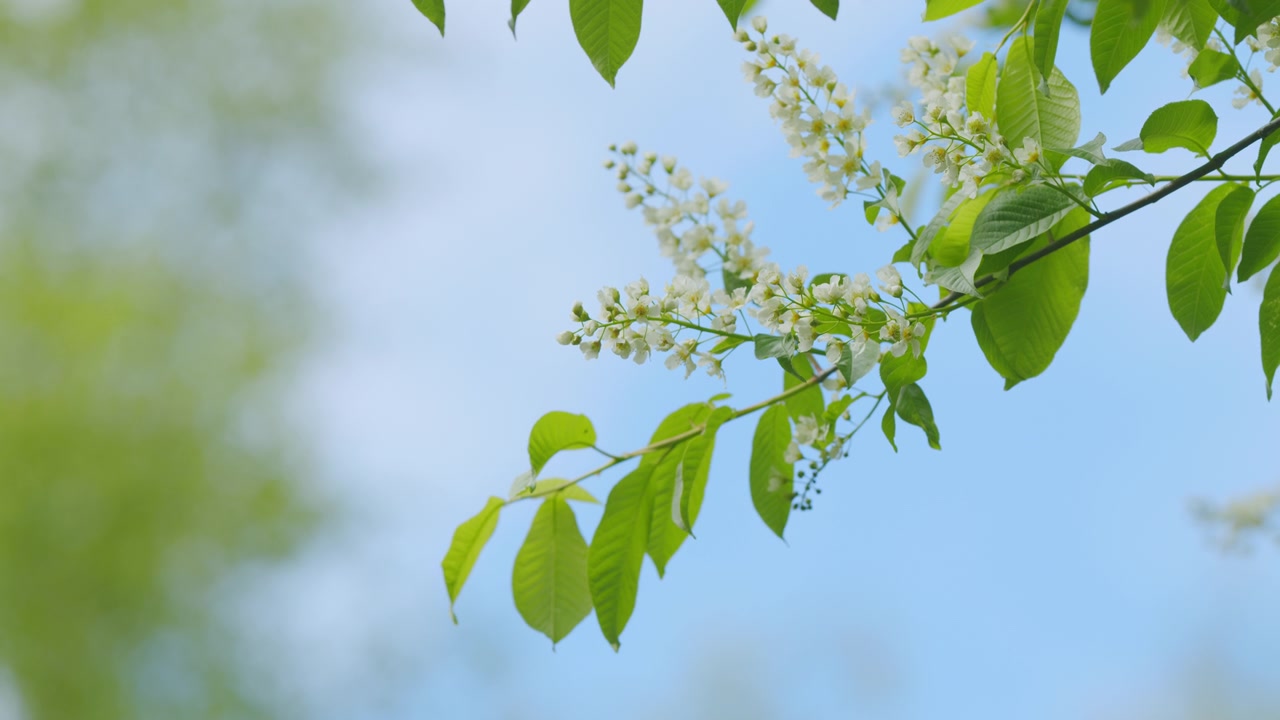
1190,124
468,540
1262,242
980,86
617,552
1047,25
938,9
1023,111
549,582
607,30
1120,29
558,431
1269,327
772,477
1013,218
1194,274
913,407
434,10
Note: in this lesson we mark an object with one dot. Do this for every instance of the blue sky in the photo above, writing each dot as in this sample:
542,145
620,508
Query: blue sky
1044,564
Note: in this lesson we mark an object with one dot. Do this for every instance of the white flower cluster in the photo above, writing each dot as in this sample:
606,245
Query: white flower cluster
690,219
1267,41
816,110
963,147
809,431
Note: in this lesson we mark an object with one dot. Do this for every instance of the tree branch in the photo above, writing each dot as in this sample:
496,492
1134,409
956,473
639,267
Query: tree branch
1214,163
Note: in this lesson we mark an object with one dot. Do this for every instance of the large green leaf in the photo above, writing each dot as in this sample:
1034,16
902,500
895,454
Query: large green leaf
808,401
1121,28
1190,124
607,30
1023,111
1269,327
549,582
468,540
1191,21
1262,242
950,247
930,231
1229,227
1194,273
732,10
1116,173
980,86
558,431
828,7
772,477
434,10
938,9
617,552
1013,218
1021,326
1048,23
665,537
1212,67
913,406
517,7
695,469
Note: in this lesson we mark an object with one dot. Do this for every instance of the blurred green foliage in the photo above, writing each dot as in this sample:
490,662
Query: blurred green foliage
162,163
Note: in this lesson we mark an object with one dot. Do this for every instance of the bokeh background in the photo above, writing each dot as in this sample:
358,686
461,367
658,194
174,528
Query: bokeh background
278,288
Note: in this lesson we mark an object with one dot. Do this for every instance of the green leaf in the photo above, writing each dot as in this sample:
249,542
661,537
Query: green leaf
898,372
951,246
1023,111
558,431
468,540
774,346
1189,124
517,7
1129,145
1229,227
890,426
664,536
772,476
1048,22
733,281
856,365
961,277
1116,173
1262,242
1121,28
980,86
938,9
914,407
434,10
1021,326
549,582
1269,327
1212,67
607,30
617,552
808,401
695,469
828,7
1264,149
1194,273
935,225
732,10
1190,21
570,492
1090,152
1013,218
727,344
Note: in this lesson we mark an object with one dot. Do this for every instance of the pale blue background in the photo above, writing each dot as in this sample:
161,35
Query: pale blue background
1043,565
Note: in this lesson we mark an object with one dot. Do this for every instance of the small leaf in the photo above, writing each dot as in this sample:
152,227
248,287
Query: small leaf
732,10
772,477
931,230
774,346
938,9
1090,151
517,7
1013,218
1212,67
1189,124
856,365
828,7
434,10
607,30
558,431
1116,173
951,246
617,552
961,277
1190,21
727,344
1194,274
1262,242
1264,149
695,469
1021,326
1048,22
980,86
549,582
889,426
1269,328
1129,145
913,406
808,401
1024,111
1120,29
468,540
1229,227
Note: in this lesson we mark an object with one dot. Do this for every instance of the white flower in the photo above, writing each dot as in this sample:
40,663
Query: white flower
590,349
565,337
1247,94
1029,152
890,280
808,430
792,455
760,24
903,114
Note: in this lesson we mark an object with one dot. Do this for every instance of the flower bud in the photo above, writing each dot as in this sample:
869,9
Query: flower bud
760,23
565,337
628,148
